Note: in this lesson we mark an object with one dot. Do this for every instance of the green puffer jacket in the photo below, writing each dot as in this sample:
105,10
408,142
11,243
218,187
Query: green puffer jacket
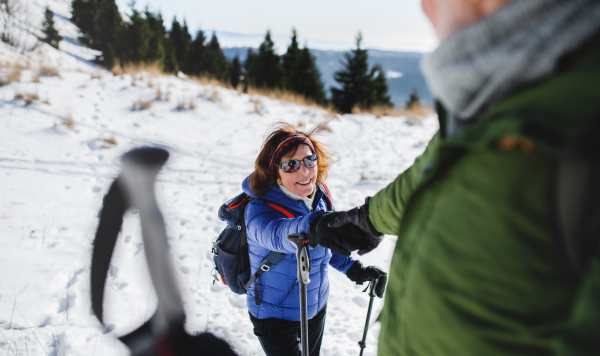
476,269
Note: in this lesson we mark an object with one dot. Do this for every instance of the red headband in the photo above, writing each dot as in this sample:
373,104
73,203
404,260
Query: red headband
286,141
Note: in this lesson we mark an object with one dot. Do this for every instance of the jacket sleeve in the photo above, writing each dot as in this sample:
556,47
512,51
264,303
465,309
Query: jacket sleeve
341,263
268,228
581,336
386,208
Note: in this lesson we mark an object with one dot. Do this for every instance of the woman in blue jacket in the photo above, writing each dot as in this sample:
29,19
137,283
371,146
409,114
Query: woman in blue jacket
289,193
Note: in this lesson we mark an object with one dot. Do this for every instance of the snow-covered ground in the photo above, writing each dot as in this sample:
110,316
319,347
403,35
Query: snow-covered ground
59,154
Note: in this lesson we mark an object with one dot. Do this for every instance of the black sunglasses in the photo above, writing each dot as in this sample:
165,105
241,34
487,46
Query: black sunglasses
294,164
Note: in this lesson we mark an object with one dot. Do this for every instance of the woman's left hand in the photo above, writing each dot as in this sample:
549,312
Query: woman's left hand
359,274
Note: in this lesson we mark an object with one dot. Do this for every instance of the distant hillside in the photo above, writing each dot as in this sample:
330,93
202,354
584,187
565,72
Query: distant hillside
402,70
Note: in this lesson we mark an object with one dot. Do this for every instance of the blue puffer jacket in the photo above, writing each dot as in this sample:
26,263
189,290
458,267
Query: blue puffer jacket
267,230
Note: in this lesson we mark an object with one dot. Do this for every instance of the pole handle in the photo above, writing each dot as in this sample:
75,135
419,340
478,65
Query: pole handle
302,257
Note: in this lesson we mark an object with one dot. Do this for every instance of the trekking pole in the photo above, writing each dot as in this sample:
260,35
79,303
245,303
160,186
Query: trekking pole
363,343
304,266
140,168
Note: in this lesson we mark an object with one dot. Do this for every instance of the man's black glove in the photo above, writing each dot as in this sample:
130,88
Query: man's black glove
341,240
359,218
359,274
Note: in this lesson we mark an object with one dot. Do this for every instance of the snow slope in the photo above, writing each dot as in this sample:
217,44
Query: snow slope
59,154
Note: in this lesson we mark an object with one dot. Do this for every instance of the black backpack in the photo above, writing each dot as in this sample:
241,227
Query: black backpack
230,248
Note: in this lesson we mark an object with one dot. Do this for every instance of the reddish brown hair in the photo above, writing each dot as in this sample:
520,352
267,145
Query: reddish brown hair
262,179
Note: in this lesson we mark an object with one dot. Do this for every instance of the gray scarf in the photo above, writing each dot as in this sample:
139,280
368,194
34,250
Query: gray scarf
522,42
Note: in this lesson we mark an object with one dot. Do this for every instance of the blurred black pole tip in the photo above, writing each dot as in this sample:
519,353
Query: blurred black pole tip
150,156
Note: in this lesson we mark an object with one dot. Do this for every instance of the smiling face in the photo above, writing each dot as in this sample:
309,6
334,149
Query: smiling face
304,180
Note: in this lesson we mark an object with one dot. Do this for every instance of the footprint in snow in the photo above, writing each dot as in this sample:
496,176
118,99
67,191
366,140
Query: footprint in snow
96,189
184,269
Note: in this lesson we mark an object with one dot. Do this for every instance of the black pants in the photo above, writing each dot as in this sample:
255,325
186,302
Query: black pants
282,337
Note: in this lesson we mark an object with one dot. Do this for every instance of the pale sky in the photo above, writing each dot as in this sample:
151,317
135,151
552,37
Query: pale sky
398,25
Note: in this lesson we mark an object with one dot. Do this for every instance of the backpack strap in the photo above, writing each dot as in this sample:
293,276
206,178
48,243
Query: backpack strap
271,260
327,196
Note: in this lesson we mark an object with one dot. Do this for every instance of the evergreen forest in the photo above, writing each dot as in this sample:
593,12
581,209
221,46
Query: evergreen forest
143,38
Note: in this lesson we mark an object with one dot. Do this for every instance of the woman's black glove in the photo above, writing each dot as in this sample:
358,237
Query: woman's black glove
341,240
359,274
359,218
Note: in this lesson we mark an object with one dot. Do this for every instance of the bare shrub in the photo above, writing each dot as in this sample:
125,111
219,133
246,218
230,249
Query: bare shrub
183,104
259,108
159,94
140,105
48,71
29,98
150,83
36,78
214,96
67,121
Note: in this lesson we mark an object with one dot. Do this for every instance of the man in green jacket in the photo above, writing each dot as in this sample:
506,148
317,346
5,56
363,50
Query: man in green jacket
486,262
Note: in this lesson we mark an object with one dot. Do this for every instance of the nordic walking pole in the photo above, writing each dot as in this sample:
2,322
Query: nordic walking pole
303,258
363,343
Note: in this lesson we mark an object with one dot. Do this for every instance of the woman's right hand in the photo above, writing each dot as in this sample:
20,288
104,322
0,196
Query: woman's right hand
341,239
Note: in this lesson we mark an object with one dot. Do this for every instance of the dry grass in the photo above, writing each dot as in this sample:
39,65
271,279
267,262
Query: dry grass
48,71
140,105
150,83
133,69
290,97
183,104
415,111
110,140
19,95
36,78
14,75
67,121
29,98
155,70
210,81
159,94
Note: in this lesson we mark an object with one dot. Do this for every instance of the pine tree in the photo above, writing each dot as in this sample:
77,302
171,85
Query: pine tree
310,84
135,38
195,63
180,40
289,61
156,47
300,72
263,70
170,64
360,86
100,24
235,72
413,101
216,63
51,35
